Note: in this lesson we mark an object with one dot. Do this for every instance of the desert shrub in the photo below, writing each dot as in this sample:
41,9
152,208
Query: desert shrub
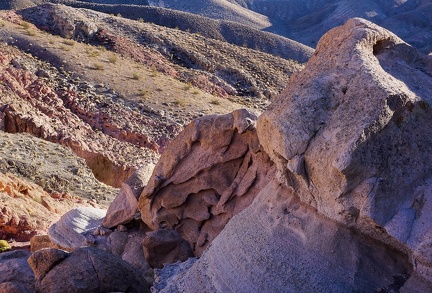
113,59
69,42
136,76
143,94
91,53
30,32
64,48
188,86
98,66
215,102
4,245
25,24
154,71
180,102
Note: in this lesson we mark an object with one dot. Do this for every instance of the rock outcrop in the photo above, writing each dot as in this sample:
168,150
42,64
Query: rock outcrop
356,145
209,173
114,137
86,269
26,209
349,209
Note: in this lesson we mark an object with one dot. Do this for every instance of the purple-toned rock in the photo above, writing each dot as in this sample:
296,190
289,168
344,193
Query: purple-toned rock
86,269
165,247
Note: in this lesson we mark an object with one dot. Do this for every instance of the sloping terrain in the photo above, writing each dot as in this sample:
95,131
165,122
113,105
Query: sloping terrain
219,9
302,21
235,33
115,96
232,70
40,181
307,21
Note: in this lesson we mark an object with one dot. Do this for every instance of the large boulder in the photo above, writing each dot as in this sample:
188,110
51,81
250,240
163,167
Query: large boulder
349,209
124,207
87,269
209,173
351,135
76,227
128,245
16,275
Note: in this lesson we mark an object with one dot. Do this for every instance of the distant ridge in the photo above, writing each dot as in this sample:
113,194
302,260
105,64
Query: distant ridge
307,21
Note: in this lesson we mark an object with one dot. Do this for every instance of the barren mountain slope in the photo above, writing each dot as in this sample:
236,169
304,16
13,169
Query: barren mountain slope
219,9
307,21
231,70
119,110
302,21
18,4
228,31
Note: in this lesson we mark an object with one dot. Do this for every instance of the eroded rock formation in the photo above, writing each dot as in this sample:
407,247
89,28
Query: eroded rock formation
349,209
125,206
209,173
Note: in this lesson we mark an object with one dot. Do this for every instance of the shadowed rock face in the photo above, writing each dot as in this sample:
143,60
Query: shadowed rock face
87,269
16,275
209,173
349,209
279,244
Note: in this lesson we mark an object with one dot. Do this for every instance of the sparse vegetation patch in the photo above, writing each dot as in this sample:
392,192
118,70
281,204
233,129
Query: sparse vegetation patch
98,66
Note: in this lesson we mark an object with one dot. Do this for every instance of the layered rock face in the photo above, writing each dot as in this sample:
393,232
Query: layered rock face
26,209
349,209
210,172
114,136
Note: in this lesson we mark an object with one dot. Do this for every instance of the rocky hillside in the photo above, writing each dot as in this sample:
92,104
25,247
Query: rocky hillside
136,157
235,33
302,21
226,69
307,21
114,92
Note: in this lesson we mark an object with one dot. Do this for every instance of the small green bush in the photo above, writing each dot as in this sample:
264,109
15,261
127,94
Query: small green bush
4,245
113,59
215,102
136,76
